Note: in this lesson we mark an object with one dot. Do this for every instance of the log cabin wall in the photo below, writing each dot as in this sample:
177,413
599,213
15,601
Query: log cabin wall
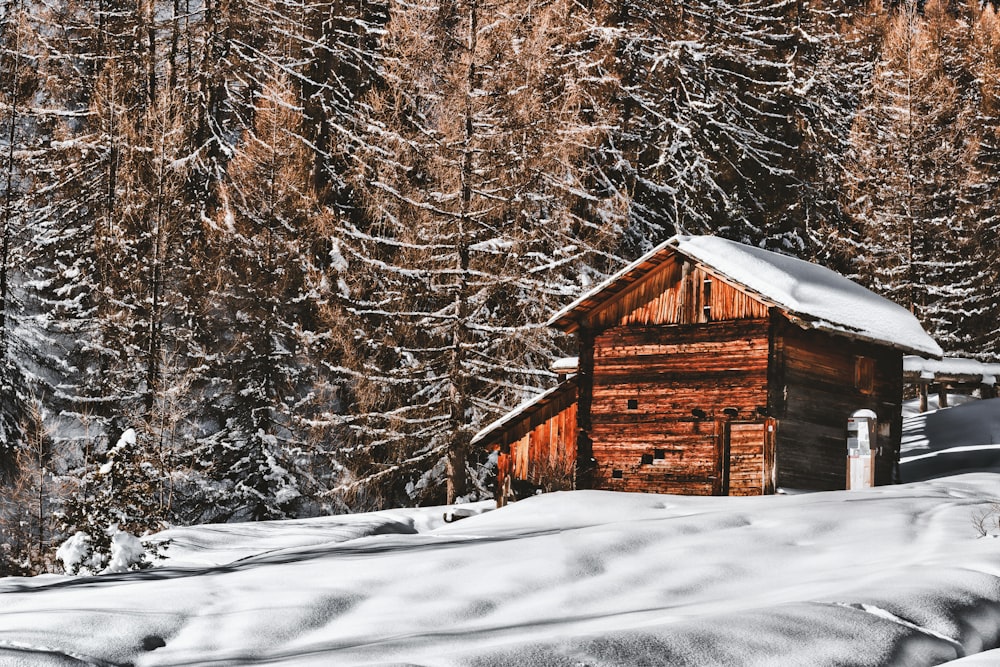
544,457
677,342
819,381
585,380
648,383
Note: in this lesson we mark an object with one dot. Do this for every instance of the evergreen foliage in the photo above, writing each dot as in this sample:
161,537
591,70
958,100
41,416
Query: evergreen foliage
121,489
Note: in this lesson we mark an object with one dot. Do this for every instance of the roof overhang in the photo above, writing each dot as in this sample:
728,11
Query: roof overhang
524,418
949,370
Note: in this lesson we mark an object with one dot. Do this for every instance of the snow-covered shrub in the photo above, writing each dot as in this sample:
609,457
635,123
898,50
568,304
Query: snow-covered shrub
127,553
119,497
79,554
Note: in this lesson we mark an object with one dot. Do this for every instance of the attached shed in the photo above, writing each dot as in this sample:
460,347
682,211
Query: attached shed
537,443
712,367
950,374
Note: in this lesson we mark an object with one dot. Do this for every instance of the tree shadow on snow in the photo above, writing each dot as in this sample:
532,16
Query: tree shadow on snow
965,438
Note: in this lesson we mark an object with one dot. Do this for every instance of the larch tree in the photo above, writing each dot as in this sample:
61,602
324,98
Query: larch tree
65,195
76,196
109,204
28,520
913,156
983,64
956,294
257,458
478,226
17,66
22,469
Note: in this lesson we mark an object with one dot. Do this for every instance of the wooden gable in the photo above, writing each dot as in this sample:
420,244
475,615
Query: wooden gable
695,279
528,417
672,290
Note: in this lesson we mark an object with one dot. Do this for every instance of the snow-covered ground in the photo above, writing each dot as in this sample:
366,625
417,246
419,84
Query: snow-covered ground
894,575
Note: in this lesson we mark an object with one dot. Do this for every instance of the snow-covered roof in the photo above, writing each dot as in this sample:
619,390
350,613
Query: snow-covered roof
559,396
811,295
565,365
951,367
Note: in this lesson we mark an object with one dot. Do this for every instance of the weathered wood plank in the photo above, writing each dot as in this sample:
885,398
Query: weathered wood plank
819,382
648,384
544,457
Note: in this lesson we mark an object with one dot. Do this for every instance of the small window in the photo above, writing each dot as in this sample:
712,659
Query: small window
633,404
706,300
617,474
647,459
864,374
659,453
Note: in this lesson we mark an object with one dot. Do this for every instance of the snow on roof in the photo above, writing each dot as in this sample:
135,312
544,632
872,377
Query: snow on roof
535,402
928,369
565,365
812,295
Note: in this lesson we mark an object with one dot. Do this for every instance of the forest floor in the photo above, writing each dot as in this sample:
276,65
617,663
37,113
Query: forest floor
897,575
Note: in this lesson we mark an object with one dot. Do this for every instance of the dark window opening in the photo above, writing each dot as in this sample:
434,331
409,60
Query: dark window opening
617,474
706,310
633,404
660,453
647,459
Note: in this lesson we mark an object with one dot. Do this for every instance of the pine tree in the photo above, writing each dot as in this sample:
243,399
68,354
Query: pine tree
119,493
836,47
332,55
705,127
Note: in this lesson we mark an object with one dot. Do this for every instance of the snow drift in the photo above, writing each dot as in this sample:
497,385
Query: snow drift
888,576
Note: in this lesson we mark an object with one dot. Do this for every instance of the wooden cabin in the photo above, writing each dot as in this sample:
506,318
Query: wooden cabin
708,367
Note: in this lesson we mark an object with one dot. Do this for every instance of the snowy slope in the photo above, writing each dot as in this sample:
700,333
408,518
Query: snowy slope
964,438
894,575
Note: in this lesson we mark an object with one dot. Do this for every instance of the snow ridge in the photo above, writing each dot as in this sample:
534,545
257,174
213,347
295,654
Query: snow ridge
889,616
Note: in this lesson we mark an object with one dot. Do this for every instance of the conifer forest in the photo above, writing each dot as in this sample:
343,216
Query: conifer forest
267,259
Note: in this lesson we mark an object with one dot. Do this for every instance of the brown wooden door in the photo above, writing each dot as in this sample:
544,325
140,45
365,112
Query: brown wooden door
746,458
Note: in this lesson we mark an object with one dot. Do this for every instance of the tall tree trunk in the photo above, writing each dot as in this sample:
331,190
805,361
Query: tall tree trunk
9,215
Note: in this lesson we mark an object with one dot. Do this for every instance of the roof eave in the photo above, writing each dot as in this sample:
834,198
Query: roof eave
805,323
